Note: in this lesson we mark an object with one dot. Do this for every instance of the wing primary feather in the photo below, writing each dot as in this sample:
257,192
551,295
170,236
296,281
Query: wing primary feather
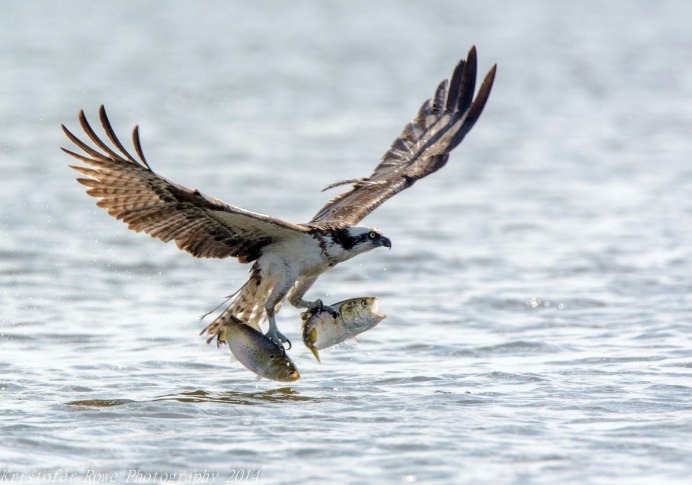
468,81
108,128
483,93
439,99
454,83
94,137
78,157
476,108
91,183
86,148
83,170
138,147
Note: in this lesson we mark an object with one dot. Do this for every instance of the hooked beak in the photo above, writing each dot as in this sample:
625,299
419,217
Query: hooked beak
386,242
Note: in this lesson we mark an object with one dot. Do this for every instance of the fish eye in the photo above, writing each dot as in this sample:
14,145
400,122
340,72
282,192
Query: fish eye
372,235
363,303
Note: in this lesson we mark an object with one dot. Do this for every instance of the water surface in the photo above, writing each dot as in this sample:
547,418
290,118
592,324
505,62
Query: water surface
538,289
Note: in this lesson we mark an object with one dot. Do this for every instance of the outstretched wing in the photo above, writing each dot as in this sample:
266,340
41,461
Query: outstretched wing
421,149
131,191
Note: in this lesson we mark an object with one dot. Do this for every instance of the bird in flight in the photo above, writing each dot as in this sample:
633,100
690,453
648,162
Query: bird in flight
287,258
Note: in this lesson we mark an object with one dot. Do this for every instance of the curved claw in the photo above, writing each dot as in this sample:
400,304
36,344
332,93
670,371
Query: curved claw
332,311
317,306
279,339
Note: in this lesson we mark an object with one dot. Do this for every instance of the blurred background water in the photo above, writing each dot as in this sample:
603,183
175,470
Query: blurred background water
538,290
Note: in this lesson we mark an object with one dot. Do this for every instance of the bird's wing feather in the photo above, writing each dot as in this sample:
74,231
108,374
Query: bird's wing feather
132,192
421,149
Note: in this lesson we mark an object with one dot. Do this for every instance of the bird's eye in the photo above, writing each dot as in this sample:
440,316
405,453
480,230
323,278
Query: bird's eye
372,235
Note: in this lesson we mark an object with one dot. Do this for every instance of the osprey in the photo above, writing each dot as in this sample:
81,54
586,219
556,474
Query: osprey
287,258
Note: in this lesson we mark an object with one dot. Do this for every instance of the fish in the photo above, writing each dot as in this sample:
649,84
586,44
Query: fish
257,352
321,329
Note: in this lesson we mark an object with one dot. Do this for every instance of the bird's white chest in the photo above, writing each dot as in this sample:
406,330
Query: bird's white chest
301,256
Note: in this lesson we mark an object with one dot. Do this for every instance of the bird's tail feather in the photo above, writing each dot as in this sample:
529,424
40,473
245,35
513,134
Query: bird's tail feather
247,305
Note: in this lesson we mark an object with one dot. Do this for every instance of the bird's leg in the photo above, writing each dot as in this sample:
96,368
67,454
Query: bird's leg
273,333
277,295
295,298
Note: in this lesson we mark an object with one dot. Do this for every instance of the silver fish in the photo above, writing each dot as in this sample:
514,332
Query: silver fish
257,352
322,330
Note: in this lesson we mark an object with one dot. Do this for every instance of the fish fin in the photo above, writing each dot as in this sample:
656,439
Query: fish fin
312,338
314,352
351,341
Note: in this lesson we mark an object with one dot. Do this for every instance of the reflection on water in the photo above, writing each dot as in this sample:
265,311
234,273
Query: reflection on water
100,403
279,395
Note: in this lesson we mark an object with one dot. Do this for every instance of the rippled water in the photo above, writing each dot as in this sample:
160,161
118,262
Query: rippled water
538,290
